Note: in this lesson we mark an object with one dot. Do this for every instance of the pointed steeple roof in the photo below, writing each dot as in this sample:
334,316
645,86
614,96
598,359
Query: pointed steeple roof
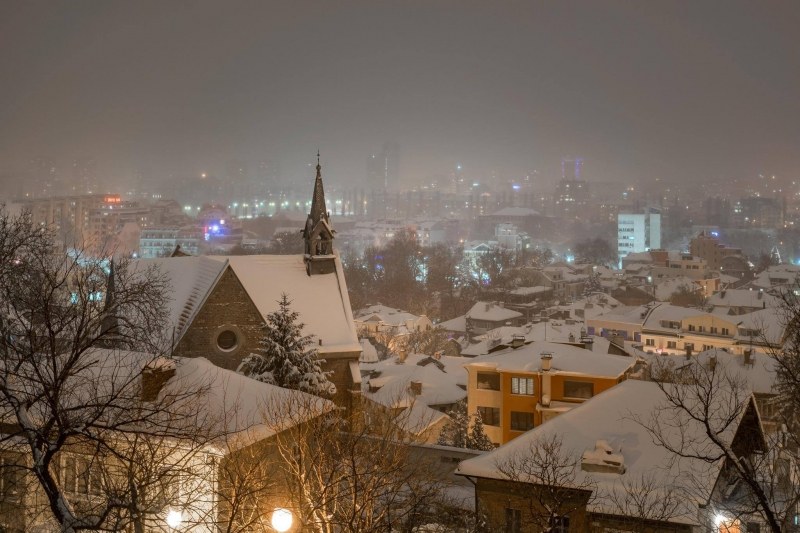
318,210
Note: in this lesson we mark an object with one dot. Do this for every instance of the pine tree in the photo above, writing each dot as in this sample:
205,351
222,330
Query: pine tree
285,357
455,432
478,440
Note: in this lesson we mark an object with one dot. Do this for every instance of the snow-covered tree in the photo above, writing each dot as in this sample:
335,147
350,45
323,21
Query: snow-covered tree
456,432
460,433
478,440
286,357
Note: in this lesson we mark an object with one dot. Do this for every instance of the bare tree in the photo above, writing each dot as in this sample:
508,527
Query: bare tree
359,475
554,471
708,415
73,399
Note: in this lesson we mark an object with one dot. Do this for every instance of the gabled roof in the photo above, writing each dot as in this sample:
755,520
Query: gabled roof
321,300
610,417
190,280
492,312
567,359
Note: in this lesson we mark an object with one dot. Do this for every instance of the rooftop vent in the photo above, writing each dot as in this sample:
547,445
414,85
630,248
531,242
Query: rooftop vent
603,459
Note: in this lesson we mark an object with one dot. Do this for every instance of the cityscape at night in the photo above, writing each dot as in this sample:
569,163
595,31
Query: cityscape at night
383,266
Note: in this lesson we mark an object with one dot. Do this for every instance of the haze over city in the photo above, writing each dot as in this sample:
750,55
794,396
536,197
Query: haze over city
676,91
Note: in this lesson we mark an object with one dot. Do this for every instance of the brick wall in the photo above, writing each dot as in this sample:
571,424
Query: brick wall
228,308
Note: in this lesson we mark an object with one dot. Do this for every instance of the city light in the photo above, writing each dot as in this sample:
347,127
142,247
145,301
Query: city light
281,519
174,519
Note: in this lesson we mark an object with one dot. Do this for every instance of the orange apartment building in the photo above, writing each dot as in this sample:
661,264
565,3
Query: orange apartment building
522,387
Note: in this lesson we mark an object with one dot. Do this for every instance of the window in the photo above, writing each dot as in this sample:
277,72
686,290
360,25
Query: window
559,524
521,421
80,476
701,329
11,479
522,386
490,415
513,520
672,344
650,342
714,329
578,389
488,380
726,331
691,327
227,340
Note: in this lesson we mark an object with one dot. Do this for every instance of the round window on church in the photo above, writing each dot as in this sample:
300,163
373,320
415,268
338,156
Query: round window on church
227,340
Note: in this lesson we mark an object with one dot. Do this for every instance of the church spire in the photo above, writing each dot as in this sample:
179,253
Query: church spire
318,234
318,210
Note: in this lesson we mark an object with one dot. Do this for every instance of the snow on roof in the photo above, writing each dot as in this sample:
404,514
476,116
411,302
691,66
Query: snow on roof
190,280
665,287
526,291
457,324
670,313
439,387
389,315
492,312
777,275
744,298
244,409
321,300
567,359
626,314
609,417
769,323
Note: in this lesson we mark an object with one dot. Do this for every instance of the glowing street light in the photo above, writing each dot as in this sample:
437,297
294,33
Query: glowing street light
281,519
174,519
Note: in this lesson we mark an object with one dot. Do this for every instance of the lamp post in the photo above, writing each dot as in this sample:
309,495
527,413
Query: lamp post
281,519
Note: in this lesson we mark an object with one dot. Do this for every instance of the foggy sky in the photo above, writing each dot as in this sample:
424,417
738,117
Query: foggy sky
675,90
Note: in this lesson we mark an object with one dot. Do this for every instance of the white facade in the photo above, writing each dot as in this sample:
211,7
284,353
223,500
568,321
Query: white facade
637,233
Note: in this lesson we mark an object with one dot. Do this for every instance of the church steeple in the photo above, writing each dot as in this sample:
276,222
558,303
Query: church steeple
318,233
318,210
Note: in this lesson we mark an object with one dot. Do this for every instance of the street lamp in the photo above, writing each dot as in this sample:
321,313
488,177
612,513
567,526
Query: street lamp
281,519
174,519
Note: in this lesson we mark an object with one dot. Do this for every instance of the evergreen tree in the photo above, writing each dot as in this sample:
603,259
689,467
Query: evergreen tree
285,357
456,432
477,439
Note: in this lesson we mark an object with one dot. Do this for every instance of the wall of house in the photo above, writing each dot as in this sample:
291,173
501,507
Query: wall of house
494,497
227,308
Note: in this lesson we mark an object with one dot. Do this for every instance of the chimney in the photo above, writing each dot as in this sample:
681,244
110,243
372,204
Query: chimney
547,360
748,357
587,341
415,387
517,341
402,355
154,376
688,352
502,305
712,362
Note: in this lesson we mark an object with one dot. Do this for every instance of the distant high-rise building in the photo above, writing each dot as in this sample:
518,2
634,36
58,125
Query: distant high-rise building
637,233
84,176
45,178
572,192
571,168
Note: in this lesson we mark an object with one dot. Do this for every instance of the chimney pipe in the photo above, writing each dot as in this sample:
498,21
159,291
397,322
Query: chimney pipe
547,360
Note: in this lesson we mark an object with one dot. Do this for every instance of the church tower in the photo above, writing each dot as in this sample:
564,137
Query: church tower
318,234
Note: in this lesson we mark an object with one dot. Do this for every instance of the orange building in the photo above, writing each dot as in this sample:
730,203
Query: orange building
520,388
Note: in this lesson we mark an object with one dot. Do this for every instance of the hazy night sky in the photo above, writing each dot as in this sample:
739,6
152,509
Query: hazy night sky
678,90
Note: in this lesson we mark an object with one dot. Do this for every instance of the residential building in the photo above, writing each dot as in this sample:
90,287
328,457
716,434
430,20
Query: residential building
485,316
706,245
613,454
637,233
525,385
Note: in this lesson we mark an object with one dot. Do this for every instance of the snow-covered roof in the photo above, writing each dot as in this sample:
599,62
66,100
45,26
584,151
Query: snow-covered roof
386,314
670,313
439,386
242,409
492,312
744,298
321,299
769,322
457,324
665,287
368,352
610,417
566,359
190,280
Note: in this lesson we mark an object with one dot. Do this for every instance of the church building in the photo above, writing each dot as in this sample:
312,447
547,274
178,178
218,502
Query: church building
218,303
